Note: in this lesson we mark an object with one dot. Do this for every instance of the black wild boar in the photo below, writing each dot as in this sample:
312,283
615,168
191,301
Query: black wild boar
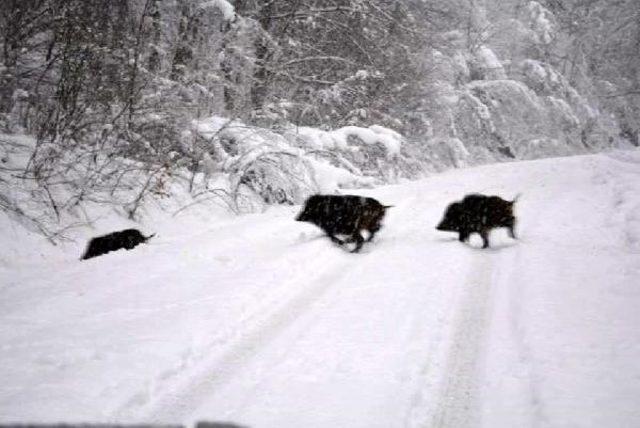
478,213
344,215
127,238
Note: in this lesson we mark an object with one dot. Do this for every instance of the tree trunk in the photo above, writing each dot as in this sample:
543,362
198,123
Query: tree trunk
261,74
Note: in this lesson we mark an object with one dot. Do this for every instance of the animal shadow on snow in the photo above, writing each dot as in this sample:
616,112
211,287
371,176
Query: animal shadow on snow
499,243
307,238
475,242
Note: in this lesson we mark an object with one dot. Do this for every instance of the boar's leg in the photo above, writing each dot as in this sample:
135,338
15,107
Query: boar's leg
358,239
463,235
484,234
372,233
336,240
511,227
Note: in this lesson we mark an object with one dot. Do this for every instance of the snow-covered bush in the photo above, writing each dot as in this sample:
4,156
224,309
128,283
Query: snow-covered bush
289,165
56,201
258,162
448,152
541,147
541,22
486,65
373,151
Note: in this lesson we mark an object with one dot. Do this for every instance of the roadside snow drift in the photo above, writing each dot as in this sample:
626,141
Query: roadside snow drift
261,321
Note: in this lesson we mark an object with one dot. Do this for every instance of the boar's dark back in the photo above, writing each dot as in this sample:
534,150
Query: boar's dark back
344,215
127,239
477,213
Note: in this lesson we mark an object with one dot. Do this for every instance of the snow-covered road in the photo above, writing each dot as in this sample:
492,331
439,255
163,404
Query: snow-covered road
261,321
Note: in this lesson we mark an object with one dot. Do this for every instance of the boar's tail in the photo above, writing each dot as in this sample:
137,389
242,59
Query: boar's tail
515,199
146,238
388,206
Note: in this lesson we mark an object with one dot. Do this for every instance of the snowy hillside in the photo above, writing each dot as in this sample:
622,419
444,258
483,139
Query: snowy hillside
261,321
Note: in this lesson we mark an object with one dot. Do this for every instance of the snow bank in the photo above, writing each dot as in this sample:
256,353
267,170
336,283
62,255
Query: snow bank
89,200
539,147
448,151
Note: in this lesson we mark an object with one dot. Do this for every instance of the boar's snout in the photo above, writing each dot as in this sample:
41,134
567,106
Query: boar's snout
451,219
302,216
446,225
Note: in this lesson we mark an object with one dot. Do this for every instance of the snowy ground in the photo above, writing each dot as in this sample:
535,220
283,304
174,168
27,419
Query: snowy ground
261,321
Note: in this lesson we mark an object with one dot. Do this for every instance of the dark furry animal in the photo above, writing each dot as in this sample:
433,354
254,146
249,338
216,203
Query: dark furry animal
480,214
127,238
344,215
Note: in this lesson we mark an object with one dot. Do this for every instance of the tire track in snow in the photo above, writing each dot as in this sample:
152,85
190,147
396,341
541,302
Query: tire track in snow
457,403
298,254
187,392
513,295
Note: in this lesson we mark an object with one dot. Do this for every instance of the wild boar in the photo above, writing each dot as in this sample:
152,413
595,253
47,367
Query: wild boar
127,239
480,214
344,215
